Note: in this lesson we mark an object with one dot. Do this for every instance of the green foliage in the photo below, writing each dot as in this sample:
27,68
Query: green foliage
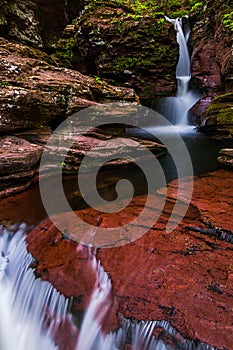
228,20
97,79
196,6
179,13
65,53
4,83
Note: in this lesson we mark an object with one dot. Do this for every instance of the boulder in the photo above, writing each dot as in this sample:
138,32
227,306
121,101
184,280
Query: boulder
218,118
19,162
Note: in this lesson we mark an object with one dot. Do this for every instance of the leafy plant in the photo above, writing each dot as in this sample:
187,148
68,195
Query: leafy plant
4,83
196,5
228,20
97,79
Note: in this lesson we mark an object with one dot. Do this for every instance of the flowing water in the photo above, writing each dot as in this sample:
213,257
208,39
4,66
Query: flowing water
176,109
31,310
26,303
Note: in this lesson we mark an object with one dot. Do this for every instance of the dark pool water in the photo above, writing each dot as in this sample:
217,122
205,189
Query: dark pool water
27,206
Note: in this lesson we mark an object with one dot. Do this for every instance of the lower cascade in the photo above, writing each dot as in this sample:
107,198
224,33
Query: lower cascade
26,303
31,310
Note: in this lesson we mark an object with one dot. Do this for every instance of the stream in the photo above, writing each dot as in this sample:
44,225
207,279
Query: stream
31,310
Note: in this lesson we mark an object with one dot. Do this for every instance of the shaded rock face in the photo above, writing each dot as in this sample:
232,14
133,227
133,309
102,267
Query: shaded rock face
212,60
128,49
184,277
38,23
212,65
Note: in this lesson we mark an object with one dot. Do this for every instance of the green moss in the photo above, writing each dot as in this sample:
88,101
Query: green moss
179,13
228,20
4,83
221,108
65,52
196,6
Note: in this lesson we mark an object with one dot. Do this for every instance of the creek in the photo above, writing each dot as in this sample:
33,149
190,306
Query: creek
31,310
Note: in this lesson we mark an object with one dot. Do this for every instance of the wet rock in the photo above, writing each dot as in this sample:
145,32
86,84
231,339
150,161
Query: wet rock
183,276
218,119
225,157
19,161
199,110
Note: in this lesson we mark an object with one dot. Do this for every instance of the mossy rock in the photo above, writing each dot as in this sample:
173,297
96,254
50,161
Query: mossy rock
127,44
219,116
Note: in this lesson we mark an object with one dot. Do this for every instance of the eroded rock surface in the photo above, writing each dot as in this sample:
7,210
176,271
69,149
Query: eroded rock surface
184,276
35,93
37,23
36,96
19,160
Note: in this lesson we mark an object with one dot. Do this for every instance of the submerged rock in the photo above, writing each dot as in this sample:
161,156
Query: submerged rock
184,277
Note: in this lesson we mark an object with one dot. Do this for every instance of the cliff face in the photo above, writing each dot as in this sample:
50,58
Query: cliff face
212,65
125,47
212,39
37,22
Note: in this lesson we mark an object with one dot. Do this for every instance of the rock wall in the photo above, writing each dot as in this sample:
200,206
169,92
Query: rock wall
127,44
212,65
36,96
37,22
212,59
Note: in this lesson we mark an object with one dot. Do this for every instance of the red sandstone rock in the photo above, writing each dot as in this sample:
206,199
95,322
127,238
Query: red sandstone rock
212,60
18,163
35,93
185,277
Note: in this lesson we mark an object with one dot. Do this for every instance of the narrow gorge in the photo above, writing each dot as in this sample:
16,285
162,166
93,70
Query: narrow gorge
116,155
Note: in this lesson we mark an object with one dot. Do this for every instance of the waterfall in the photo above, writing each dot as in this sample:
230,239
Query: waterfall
27,304
90,335
175,109
31,310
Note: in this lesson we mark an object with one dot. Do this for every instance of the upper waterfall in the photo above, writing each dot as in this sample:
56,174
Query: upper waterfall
176,109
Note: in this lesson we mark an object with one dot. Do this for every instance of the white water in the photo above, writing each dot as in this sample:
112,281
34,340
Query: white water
26,303
176,109
91,336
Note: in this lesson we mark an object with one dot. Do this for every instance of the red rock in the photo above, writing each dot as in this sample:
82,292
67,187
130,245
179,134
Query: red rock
184,277
212,60
43,93
19,160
